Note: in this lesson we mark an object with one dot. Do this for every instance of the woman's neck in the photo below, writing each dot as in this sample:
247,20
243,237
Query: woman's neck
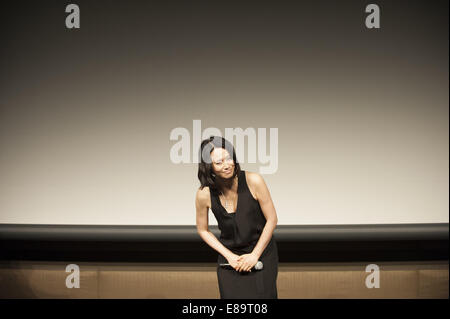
227,184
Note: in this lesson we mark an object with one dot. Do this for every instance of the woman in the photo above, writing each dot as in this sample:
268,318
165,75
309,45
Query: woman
246,218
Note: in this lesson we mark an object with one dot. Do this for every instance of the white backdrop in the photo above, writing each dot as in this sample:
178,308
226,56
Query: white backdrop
361,115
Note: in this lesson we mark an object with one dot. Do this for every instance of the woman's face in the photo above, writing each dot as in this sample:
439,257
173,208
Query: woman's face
222,163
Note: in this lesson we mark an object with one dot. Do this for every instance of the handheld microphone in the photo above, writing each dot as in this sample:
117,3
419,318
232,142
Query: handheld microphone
259,266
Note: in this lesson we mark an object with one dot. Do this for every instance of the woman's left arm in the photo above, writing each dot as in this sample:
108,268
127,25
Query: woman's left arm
268,209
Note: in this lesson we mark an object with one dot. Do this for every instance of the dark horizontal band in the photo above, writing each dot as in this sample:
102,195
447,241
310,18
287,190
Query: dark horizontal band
162,244
436,231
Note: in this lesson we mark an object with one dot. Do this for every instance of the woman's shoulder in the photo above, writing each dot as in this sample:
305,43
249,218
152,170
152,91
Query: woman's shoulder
254,182
253,178
204,195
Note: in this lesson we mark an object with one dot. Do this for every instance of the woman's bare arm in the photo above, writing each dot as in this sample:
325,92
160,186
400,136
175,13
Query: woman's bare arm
201,200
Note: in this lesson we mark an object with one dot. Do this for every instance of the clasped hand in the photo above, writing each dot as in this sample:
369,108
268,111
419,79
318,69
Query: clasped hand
246,262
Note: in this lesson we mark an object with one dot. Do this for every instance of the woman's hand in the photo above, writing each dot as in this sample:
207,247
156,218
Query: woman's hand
233,261
246,262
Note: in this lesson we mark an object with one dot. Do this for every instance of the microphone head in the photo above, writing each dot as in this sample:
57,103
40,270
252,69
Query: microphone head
259,265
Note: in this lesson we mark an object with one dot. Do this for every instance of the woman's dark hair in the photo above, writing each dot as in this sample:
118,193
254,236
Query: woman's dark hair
205,170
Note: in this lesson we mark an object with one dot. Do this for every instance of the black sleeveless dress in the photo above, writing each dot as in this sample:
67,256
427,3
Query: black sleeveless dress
240,231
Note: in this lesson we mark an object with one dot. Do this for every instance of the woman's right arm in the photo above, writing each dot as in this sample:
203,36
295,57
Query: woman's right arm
201,205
